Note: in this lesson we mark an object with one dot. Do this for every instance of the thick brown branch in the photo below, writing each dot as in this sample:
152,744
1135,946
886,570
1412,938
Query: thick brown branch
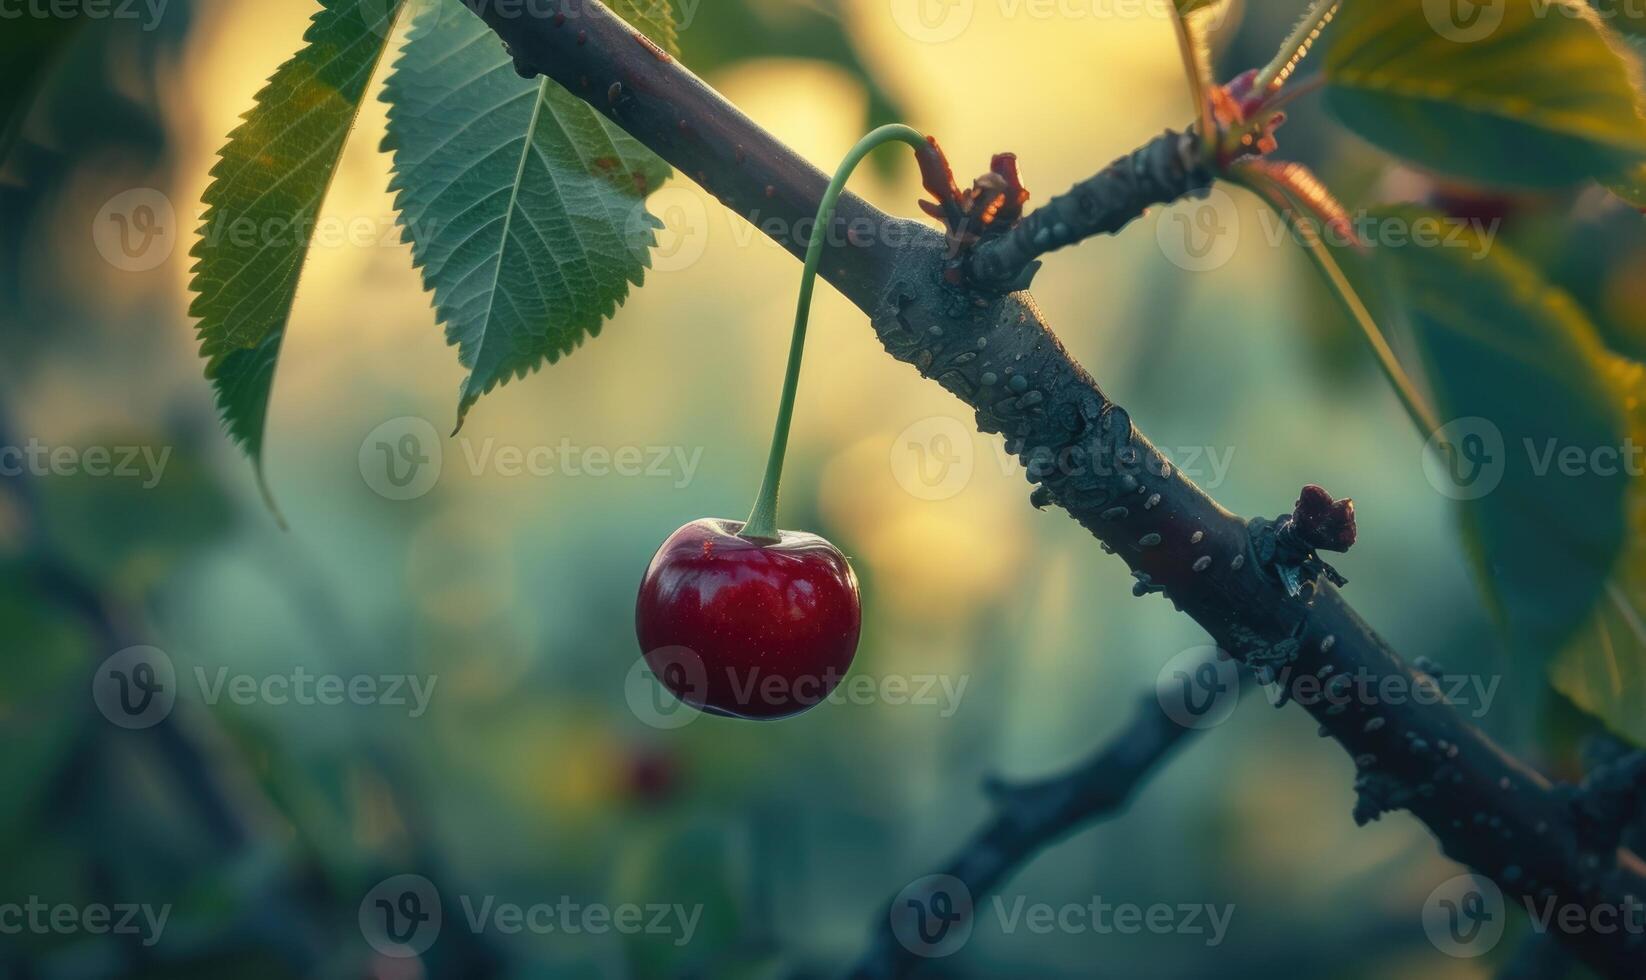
1487,809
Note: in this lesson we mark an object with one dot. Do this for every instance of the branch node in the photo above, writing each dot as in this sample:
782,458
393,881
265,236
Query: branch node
1290,545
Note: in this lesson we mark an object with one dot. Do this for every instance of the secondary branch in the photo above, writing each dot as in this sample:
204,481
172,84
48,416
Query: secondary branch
1031,816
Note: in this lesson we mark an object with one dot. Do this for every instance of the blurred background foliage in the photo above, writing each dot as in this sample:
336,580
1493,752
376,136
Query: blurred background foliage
529,778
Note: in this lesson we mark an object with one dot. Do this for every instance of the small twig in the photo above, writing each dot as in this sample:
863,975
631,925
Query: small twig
1159,172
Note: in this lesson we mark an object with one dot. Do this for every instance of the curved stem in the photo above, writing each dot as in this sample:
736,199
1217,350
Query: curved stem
762,522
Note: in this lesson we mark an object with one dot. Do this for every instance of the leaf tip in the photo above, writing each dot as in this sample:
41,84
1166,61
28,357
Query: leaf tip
268,495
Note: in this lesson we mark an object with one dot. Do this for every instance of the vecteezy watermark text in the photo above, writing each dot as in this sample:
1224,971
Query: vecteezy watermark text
137,688
402,917
690,681
402,459
569,917
934,916
148,11
1467,458
1340,690
935,458
1464,917
36,916
35,458
302,687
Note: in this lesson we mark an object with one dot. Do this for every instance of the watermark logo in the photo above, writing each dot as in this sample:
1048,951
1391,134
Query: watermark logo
38,917
136,230
401,916
145,464
1101,917
937,21
1464,917
135,688
567,916
1365,229
1465,458
1464,21
933,458
139,686
1199,234
651,685
379,15
1199,688
411,692
933,21
932,916
401,459
684,235
149,12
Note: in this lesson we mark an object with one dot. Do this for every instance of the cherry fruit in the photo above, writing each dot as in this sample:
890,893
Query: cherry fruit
748,627
744,619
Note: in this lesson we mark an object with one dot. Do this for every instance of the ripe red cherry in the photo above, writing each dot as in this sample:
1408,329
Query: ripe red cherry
749,628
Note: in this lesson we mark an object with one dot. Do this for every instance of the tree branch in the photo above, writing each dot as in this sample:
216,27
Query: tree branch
1032,816
1234,577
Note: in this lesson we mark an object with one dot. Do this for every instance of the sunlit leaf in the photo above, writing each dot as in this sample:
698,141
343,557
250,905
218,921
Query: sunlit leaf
1534,412
1531,93
1602,668
266,192
523,206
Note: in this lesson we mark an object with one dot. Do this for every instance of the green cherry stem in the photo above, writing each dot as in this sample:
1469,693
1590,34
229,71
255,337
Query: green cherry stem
762,522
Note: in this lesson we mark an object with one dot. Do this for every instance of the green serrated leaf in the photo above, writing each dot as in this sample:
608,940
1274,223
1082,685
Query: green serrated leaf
1602,668
523,206
1533,410
266,192
1533,93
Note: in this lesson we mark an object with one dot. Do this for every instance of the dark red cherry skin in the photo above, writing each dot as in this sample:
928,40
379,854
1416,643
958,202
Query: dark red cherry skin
744,628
